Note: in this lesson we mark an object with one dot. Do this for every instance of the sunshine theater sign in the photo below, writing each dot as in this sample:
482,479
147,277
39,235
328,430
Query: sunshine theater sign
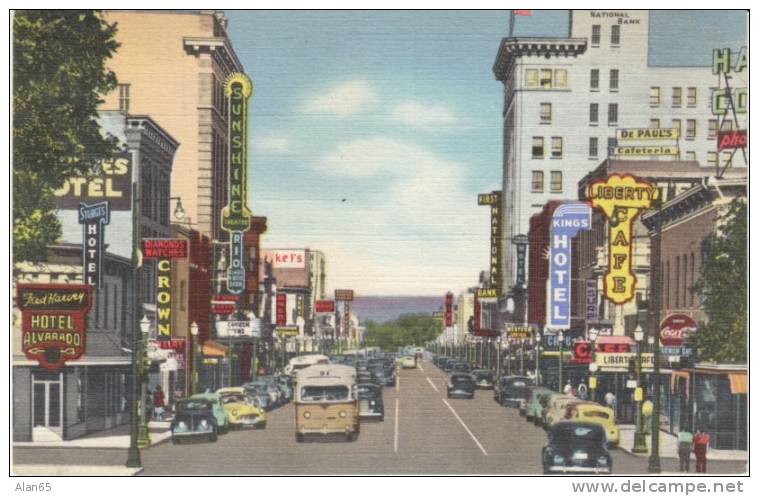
622,198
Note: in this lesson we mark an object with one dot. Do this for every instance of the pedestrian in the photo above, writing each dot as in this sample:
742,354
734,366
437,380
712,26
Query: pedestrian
158,402
684,445
582,391
610,400
568,389
647,410
700,445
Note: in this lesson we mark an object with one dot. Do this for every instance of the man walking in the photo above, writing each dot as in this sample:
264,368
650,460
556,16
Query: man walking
158,402
700,445
684,444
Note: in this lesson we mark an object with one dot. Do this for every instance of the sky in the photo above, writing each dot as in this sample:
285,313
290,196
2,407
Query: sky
371,133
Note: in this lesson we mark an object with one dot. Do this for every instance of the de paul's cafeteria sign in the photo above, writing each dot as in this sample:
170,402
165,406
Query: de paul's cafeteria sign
53,322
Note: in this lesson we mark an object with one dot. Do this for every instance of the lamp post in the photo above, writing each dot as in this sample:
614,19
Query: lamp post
508,356
195,348
654,463
561,360
593,382
143,437
521,358
639,441
537,358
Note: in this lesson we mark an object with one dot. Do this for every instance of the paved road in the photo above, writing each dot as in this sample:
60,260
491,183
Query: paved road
429,434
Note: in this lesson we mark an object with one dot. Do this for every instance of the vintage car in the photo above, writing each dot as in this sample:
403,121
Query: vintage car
285,384
555,411
534,408
194,418
408,362
264,387
460,386
380,376
370,405
243,410
576,447
483,379
511,390
222,419
261,393
597,414
460,368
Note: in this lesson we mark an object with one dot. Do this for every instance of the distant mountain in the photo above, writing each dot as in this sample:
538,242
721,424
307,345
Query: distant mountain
385,308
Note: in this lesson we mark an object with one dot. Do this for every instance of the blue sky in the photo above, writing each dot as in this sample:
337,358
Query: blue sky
396,112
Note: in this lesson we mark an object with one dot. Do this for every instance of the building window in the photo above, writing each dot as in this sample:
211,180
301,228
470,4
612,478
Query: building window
545,113
613,114
594,75
595,36
182,295
537,181
614,79
690,155
124,98
677,281
654,98
537,147
611,144
711,158
655,124
531,78
615,32
713,128
690,128
677,97
557,147
692,96
677,124
556,182
726,158
692,276
593,114
560,78
593,148
727,125
546,78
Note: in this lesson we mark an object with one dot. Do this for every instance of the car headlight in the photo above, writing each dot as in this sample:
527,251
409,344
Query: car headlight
371,403
343,414
307,414
603,461
204,424
558,460
234,412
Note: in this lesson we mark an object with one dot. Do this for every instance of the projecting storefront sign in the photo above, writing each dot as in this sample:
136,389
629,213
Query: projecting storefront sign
93,218
487,293
568,219
236,272
288,331
621,198
281,309
164,250
111,182
519,332
344,294
53,321
676,329
449,309
238,328
235,217
731,140
591,300
493,199
324,306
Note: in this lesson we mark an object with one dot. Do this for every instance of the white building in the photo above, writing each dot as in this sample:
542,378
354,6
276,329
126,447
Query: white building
565,99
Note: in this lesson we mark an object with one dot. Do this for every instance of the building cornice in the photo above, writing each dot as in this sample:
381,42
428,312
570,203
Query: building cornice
196,45
513,48
149,128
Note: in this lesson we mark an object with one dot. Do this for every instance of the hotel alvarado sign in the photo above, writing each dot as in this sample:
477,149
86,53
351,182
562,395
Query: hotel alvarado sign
622,198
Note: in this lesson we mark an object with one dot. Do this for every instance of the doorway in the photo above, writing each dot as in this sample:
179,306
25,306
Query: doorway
47,406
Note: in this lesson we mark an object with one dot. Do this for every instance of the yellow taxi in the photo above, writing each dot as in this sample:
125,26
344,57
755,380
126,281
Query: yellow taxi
408,362
242,409
597,414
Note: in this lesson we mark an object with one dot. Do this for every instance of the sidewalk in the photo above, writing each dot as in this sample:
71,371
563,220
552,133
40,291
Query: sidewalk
74,470
116,438
668,446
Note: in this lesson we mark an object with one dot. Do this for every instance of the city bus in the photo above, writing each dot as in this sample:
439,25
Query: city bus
326,401
303,361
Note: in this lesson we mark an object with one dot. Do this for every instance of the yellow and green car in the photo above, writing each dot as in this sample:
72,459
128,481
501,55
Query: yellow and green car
242,410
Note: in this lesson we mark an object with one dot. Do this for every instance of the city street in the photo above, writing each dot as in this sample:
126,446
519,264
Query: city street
426,434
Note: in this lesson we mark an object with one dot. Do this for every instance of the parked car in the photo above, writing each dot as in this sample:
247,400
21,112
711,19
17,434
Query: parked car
597,414
193,418
222,419
380,376
370,405
461,386
576,447
555,410
408,362
364,377
362,364
441,362
483,379
511,390
261,393
534,408
269,386
460,368
242,410
285,383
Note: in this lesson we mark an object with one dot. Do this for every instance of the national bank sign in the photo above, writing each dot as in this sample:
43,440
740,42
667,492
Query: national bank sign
568,220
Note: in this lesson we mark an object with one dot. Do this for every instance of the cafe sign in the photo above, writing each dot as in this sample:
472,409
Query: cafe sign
53,321
622,198
620,362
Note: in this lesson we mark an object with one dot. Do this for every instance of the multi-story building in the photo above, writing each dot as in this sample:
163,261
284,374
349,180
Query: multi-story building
182,87
565,98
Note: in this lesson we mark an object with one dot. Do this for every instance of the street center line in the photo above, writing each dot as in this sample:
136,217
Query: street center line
465,427
397,381
432,384
395,444
420,366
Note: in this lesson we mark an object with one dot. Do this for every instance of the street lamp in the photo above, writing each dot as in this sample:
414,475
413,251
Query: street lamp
639,443
561,360
593,382
537,358
143,436
195,348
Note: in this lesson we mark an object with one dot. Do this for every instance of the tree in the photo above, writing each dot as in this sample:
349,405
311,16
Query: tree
408,329
59,73
724,290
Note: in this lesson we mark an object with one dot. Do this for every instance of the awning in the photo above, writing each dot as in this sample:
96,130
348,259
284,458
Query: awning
738,383
615,340
214,349
682,375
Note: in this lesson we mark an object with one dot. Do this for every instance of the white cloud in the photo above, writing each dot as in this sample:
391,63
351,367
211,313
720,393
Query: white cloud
418,115
344,99
271,144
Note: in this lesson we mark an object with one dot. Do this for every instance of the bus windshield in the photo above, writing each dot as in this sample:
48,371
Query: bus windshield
324,393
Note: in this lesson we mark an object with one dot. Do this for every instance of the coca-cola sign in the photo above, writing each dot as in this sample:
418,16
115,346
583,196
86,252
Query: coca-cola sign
676,328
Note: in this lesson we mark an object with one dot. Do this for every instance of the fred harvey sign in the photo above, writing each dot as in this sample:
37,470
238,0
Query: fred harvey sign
568,219
53,321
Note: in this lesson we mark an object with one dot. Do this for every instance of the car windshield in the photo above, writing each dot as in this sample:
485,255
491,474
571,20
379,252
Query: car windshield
482,375
324,393
461,379
577,434
233,398
367,392
192,405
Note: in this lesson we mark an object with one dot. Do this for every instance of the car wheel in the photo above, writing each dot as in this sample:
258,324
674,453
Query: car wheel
175,440
351,436
298,437
261,426
213,437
